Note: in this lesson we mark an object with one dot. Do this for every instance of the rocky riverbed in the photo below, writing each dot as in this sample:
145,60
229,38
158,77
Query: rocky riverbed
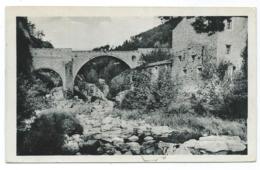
107,134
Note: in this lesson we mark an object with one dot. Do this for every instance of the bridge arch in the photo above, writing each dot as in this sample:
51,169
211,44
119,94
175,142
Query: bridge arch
52,71
80,62
77,71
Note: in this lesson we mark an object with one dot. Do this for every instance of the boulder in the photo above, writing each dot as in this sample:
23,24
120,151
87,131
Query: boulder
149,148
124,147
182,150
212,146
109,149
216,144
70,147
133,138
190,143
57,93
167,148
148,138
120,96
117,141
90,147
134,147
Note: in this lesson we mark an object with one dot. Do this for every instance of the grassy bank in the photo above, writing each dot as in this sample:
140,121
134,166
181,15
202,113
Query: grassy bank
205,125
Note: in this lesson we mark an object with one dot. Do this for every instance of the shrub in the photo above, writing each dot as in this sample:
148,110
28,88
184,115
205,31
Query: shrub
156,55
138,97
47,133
222,69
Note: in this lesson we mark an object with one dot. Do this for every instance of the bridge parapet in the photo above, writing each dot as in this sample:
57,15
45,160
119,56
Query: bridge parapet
52,52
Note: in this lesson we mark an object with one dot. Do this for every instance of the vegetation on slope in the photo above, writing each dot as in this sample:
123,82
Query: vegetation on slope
160,36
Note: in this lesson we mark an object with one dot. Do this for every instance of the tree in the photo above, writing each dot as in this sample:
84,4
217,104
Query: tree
203,24
156,55
209,25
40,34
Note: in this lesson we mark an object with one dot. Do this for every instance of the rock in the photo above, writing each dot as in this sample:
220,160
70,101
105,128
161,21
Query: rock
212,146
109,149
147,133
220,143
134,147
120,96
117,153
57,93
77,138
133,138
70,147
148,138
90,147
190,143
107,120
106,127
167,148
149,148
103,86
182,150
123,147
100,151
117,141
128,153
179,136
236,146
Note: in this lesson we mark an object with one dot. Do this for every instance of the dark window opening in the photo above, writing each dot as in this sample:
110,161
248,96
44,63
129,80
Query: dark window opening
202,50
234,68
200,69
180,57
133,58
193,57
228,48
185,71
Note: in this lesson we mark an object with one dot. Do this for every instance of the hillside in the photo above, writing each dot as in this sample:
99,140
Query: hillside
160,36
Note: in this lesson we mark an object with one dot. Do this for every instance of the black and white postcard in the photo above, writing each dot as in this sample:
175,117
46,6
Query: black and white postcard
130,84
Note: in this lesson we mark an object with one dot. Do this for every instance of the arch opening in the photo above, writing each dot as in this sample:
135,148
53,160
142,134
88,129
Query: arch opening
45,79
98,73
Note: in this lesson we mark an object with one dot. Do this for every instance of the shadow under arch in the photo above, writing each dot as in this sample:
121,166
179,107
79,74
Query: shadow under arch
49,76
119,63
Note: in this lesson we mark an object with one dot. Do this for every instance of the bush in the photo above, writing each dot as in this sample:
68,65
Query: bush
47,133
156,55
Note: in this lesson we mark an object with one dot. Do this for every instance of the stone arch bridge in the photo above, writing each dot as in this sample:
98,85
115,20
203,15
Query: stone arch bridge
67,63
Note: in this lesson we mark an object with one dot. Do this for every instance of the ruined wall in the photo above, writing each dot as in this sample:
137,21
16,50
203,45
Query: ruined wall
187,67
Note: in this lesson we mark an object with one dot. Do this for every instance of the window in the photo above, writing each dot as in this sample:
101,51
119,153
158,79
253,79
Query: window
179,57
228,48
193,57
133,58
202,50
199,69
229,24
234,68
185,71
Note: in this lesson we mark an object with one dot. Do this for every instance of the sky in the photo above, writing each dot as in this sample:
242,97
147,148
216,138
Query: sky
86,33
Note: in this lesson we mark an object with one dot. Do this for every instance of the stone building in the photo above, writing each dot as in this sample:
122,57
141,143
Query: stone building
225,45
190,49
